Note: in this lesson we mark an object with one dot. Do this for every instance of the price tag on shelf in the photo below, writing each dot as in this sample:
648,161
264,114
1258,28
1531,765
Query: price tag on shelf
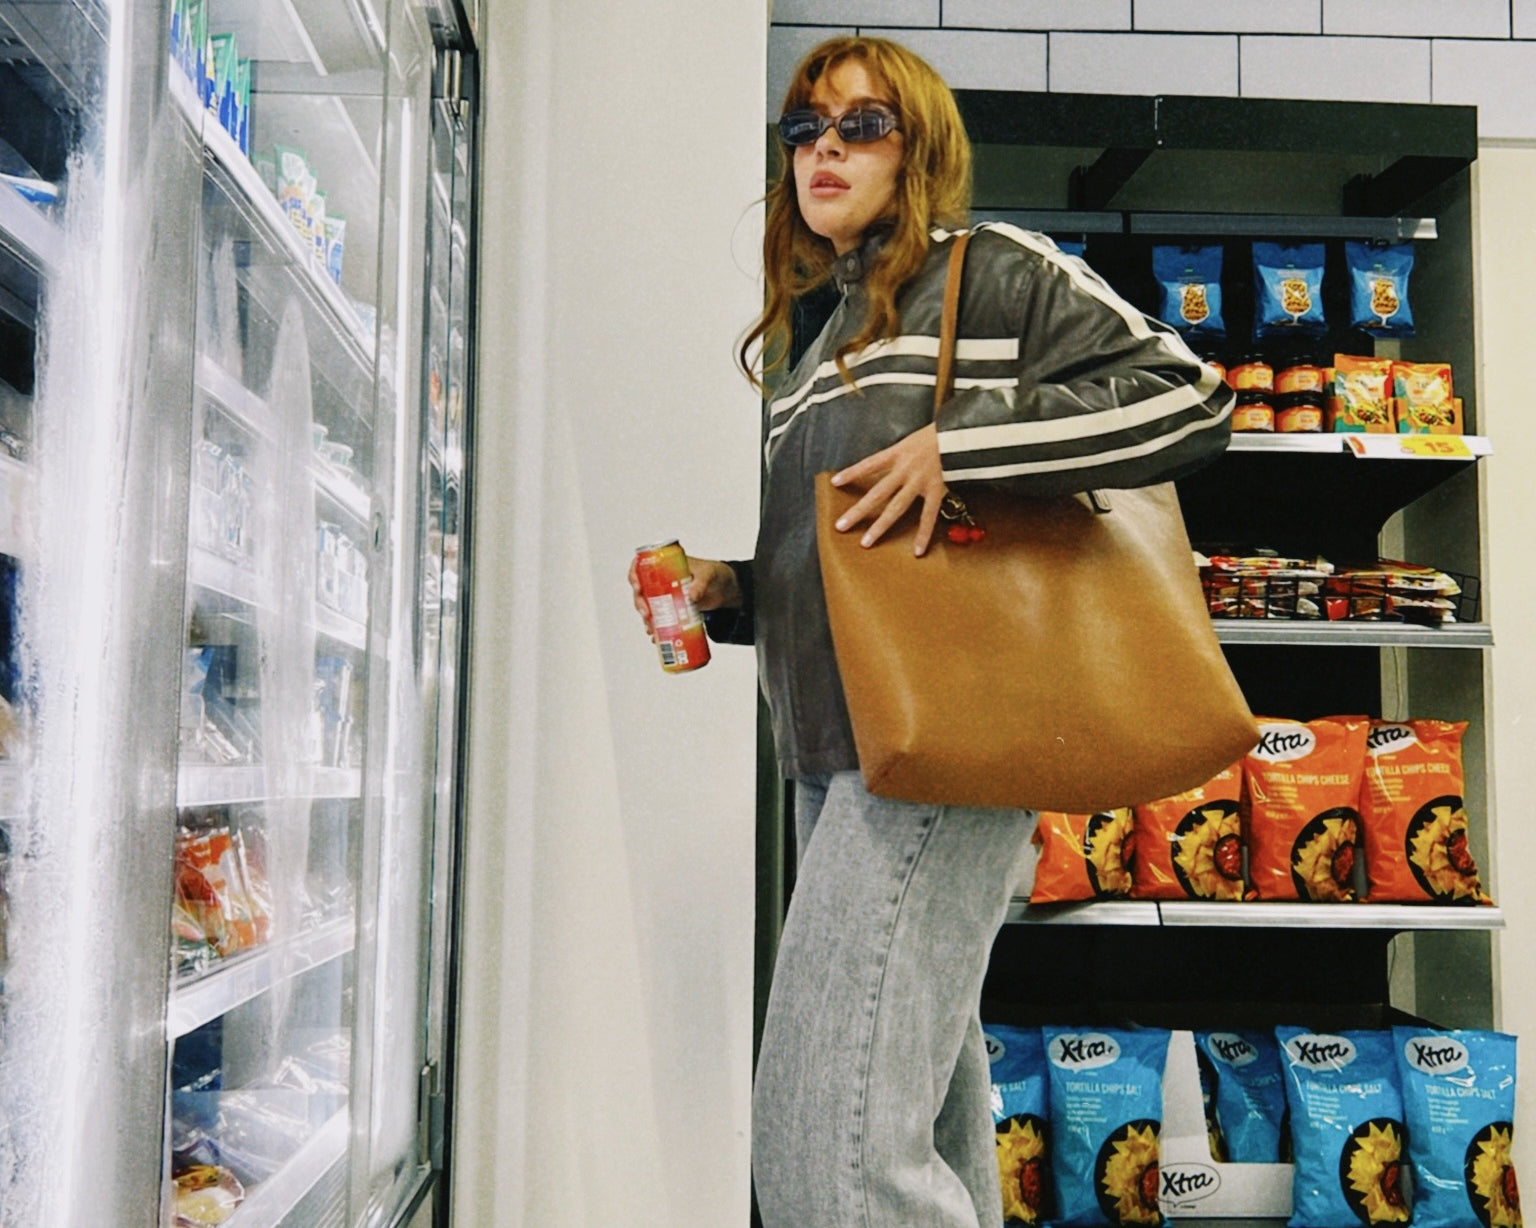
1414,447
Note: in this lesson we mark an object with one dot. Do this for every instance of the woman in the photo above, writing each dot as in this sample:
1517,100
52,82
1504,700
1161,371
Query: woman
871,1103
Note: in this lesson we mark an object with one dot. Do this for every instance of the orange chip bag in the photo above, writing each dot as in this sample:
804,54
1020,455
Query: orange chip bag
1303,821
1414,817
1190,846
1082,857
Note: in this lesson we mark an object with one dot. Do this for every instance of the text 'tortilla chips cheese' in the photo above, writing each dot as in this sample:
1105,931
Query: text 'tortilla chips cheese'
1414,815
1302,814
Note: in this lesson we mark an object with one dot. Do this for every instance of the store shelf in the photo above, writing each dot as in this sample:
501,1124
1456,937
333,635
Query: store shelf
1399,917
1283,226
197,1002
1104,912
1254,914
337,626
199,784
270,1203
1254,225
1195,154
1350,634
1304,442
260,207
1056,221
1294,493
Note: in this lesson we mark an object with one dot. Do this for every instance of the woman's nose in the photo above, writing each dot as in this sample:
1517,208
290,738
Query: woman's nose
831,141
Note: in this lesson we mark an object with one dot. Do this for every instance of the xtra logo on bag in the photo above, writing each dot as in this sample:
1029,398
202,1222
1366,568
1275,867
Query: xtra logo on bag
1280,743
1084,1050
1435,1055
1313,1052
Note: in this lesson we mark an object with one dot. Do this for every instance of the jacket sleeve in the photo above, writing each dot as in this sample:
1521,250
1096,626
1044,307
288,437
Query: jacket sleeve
1104,397
735,626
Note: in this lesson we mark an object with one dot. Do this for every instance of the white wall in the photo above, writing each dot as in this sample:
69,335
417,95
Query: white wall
605,1031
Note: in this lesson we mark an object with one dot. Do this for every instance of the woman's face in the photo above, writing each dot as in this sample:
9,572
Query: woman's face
841,187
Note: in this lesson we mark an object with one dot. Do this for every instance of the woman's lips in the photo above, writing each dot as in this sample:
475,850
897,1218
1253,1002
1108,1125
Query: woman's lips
826,183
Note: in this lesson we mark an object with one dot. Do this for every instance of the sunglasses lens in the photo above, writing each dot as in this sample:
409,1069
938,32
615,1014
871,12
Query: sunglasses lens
863,126
800,127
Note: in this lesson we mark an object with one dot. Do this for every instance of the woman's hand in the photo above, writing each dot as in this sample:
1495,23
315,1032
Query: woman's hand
713,587
895,478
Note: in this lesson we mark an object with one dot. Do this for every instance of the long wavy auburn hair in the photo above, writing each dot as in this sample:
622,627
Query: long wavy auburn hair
933,188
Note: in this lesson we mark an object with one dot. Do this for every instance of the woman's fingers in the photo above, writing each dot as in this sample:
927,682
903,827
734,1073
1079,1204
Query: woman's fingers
908,471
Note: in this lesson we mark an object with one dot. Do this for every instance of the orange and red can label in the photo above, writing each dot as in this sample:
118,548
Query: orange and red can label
676,625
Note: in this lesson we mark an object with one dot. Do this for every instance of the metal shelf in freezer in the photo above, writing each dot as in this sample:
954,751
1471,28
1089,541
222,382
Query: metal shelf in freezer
342,491
208,784
30,234
194,1003
337,626
199,784
270,1203
250,410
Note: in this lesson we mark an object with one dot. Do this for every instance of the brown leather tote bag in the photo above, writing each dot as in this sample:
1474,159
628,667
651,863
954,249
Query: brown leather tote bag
1064,662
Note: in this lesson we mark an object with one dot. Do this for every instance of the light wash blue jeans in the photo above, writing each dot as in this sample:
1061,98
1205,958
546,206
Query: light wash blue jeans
871,1104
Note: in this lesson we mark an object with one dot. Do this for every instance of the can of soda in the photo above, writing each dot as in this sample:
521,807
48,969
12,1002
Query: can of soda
676,624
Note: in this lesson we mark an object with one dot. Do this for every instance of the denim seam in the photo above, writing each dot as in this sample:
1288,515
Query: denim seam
867,1048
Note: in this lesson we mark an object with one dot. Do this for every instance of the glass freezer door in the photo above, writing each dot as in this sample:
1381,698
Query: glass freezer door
304,842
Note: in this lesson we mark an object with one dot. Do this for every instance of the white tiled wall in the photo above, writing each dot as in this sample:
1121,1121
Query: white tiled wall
1143,63
1480,52
1341,69
1420,18
1039,14
1242,16
1001,60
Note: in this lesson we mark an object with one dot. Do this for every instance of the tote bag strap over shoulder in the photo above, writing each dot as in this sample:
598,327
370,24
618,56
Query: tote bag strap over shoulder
944,376
949,322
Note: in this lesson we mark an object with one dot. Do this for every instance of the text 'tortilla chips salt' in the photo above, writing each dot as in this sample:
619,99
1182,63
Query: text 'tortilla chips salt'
1106,1099
1346,1128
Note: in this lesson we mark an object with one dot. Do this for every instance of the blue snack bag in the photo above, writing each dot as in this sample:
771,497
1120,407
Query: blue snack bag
1249,1094
1190,281
1106,1102
1459,1100
1346,1128
1288,290
1020,1116
1378,288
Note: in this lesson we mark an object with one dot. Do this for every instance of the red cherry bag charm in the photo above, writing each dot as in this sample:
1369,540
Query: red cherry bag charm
962,528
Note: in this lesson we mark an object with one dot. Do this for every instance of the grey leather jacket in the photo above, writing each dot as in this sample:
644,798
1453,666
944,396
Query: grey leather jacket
1060,386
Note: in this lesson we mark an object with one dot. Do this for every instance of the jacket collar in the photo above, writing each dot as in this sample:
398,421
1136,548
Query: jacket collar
848,269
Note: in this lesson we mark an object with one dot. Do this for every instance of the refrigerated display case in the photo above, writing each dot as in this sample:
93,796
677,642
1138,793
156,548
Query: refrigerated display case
234,252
